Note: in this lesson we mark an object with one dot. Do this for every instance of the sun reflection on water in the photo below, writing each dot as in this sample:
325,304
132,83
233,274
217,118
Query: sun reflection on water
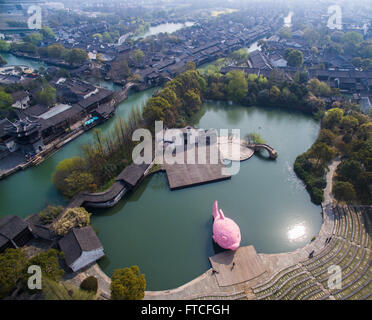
296,232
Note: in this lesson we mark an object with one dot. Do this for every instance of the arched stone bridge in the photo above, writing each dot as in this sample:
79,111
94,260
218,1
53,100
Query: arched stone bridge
259,146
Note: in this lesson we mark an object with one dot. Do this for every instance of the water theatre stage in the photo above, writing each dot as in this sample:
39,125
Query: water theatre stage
187,175
248,266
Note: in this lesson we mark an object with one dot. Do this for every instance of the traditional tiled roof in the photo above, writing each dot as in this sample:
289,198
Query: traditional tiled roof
77,241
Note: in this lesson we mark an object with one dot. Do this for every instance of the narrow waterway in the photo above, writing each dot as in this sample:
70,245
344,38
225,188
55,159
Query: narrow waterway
28,191
12,60
164,27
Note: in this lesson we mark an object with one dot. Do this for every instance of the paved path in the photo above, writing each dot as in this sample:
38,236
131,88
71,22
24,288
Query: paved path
234,149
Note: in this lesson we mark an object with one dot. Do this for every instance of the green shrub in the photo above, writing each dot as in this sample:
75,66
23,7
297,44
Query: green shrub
50,213
89,284
316,195
74,217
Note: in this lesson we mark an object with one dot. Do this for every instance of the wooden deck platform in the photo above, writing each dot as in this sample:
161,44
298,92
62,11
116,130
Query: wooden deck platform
187,175
248,266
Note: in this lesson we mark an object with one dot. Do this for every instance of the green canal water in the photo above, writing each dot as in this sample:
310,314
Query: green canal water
168,233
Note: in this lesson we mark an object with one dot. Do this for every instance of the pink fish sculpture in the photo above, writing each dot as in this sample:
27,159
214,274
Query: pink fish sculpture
226,233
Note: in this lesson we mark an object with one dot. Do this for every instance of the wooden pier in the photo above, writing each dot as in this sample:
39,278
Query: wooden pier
187,175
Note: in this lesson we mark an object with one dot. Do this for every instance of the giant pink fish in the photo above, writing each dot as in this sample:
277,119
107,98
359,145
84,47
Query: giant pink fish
226,233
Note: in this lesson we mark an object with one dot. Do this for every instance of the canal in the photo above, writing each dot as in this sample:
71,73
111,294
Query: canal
168,27
168,233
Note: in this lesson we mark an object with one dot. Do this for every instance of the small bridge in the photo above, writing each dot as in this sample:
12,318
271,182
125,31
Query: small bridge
259,146
120,96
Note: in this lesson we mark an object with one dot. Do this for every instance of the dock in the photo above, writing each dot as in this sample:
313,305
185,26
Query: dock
233,267
187,175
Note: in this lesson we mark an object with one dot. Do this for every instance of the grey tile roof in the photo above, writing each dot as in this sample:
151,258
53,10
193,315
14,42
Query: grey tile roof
77,241
11,226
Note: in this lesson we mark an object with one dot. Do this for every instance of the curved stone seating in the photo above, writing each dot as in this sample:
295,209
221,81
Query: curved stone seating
324,258
352,284
330,247
269,282
358,234
297,288
309,279
278,290
307,291
344,261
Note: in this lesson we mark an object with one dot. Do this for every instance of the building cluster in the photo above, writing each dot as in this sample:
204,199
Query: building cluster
332,68
164,58
81,246
39,124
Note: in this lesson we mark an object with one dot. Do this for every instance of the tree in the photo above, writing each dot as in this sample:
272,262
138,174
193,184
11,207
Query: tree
326,136
154,110
349,123
48,263
349,170
4,46
72,218
239,56
89,284
56,51
79,182
71,177
47,95
2,61
6,100
351,40
322,152
318,88
12,264
48,214
237,86
128,284
274,95
107,37
294,58
48,33
53,290
253,138
35,38
344,191
137,55
97,36
192,102
77,56
332,117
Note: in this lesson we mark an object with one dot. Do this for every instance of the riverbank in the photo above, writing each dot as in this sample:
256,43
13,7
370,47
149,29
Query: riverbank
77,129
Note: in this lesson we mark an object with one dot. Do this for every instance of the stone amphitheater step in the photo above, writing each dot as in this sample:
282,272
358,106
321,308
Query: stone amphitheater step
323,253
364,274
269,283
287,285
